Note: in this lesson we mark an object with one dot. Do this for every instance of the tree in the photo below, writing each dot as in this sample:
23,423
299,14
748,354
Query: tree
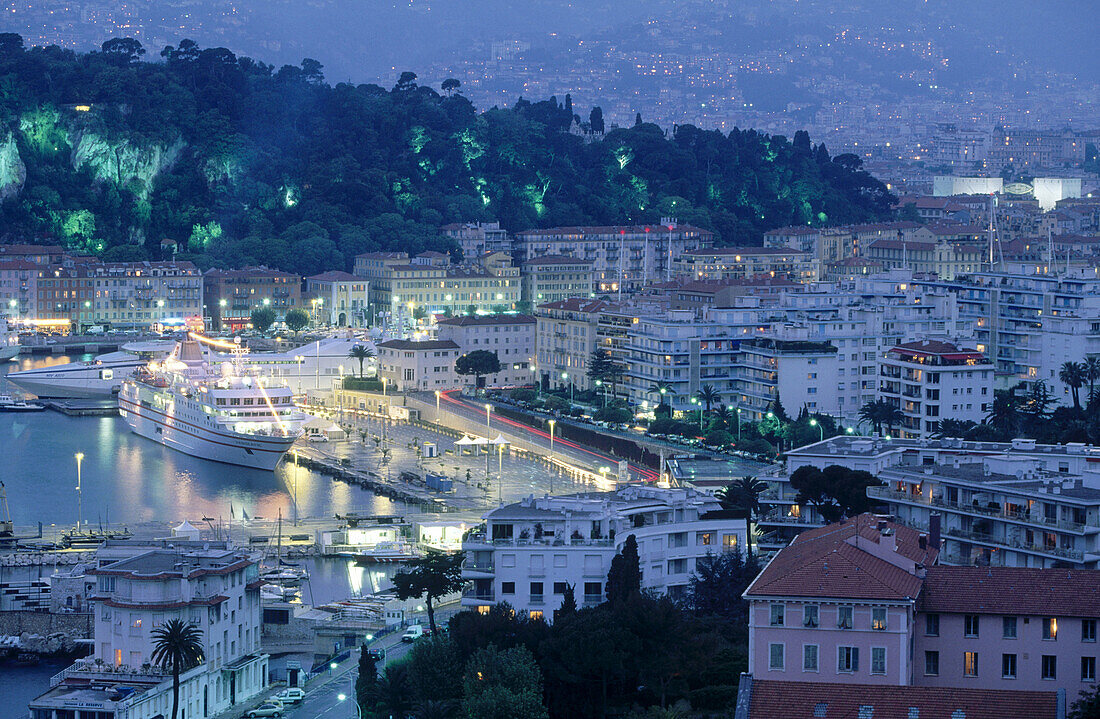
960,428
296,319
624,578
602,367
478,363
1073,375
1004,413
716,586
1037,404
1087,705
367,678
595,120
836,492
392,692
503,684
743,494
1092,373
435,708
661,390
450,85
568,603
879,413
708,395
122,50
361,353
262,319
177,646
431,576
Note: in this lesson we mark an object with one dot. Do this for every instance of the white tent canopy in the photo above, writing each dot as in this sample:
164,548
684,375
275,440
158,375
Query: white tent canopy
500,441
465,442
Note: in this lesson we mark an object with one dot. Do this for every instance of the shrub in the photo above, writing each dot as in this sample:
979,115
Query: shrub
718,438
523,395
360,384
616,415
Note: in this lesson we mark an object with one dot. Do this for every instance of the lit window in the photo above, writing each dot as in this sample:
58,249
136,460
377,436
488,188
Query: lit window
970,664
878,618
1050,629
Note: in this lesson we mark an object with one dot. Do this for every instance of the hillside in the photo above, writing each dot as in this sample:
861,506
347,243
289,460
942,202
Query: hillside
243,163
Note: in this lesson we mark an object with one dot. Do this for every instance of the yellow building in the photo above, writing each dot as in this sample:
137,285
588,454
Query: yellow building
735,263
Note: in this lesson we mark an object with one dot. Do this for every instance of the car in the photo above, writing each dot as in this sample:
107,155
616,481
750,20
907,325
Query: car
376,654
318,438
291,695
267,709
413,633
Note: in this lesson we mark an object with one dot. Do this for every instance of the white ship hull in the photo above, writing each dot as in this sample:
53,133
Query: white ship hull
84,381
218,445
8,352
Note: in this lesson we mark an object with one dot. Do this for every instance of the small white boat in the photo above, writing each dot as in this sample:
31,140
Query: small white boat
285,576
276,592
386,552
11,404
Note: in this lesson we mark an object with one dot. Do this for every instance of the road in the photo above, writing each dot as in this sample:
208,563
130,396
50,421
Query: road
576,452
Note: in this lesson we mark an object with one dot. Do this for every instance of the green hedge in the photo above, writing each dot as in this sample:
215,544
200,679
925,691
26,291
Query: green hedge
362,384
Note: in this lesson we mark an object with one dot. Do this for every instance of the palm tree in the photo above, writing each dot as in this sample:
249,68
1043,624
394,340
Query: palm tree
1004,413
954,428
708,395
1073,375
661,389
744,494
1092,373
392,690
891,415
361,353
177,646
435,709
724,414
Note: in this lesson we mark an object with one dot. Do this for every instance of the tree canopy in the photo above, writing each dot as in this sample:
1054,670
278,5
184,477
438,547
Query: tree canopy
243,163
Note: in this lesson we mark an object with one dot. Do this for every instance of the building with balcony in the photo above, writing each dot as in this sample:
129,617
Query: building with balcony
551,278
931,380
1017,504
139,295
477,238
566,336
738,263
18,288
534,551
628,256
231,296
138,588
796,373
510,337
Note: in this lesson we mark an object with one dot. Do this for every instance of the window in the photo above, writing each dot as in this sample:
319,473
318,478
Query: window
561,587
844,617
932,625
536,615
1088,630
775,657
1009,627
1088,669
1008,666
931,664
507,587
809,657
593,590
847,659
970,664
1050,629
1050,666
777,615
878,660
704,539
809,615
878,618
970,625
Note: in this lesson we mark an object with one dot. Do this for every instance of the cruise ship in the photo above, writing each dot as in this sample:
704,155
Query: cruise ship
217,412
310,367
99,378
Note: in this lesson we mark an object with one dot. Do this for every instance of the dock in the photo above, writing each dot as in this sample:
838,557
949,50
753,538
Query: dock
83,407
426,500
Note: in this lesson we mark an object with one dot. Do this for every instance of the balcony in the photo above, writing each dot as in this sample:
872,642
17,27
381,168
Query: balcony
983,538
979,509
476,595
479,538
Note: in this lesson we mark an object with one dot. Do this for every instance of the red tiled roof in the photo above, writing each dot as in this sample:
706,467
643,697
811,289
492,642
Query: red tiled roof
610,229
1012,590
820,700
828,562
418,345
500,319
335,276
384,256
793,230
883,226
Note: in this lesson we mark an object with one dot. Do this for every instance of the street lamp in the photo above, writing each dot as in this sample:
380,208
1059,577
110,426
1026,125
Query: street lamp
552,423
437,405
820,429
850,430
79,492
565,376
695,400
295,489
738,424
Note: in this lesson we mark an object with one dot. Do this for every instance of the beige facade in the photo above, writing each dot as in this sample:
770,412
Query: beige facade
418,366
734,263
567,335
555,278
344,298
510,337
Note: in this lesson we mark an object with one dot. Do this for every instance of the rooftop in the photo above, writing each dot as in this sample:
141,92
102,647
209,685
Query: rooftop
557,260
1012,590
495,319
747,251
335,276
579,304
848,559
418,345
820,700
610,229
169,563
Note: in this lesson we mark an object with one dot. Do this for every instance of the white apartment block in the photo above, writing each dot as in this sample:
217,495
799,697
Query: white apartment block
930,380
207,584
140,294
418,365
1029,325
531,551
510,337
1017,504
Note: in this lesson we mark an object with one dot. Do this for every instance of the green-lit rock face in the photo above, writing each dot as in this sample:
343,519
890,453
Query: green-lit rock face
13,173
125,165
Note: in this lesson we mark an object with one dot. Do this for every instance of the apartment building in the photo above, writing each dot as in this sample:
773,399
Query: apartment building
478,238
510,337
139,295
552,278
66,294
341,299
797,373
35,254
418,365
1029,324
566,336
532,552
627,256
862,604
207,584
929,380
401,288
737,263
232,295
798,237
18,288
944,259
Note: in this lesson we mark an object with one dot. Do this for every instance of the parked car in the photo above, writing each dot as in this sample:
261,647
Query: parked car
413,633
267,709
318,438
291,695
376,654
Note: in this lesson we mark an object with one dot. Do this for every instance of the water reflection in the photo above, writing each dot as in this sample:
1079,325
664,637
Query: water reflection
132,479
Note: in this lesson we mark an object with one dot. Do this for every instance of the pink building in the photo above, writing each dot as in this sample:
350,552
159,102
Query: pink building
861,602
